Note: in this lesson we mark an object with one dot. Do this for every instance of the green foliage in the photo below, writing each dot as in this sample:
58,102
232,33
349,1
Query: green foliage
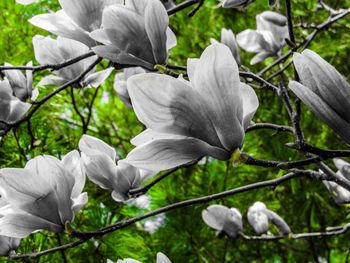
305,204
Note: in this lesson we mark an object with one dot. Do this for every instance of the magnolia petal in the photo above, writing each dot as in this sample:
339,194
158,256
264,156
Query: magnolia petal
128,178
5,99
251,41
250,104
166,104
215,216
24,190
114,54
85,13
149,135
171,40
165,154
18,109
46,50
18,82
324,80
73,163
228,39
191,67
156,24
61,181
52,80
100,169
258,218
60,24
87,143
233,3
343,167
20,225
260,57
79,202
322,110
100,35
8,244
98,78
279,222
130,35
70,49
161,258
216,79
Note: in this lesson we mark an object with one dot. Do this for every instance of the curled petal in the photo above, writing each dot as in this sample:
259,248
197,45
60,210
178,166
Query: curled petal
324,80
322,110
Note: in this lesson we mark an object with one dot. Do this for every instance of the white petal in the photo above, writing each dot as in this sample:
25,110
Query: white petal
250,103
251,41
322,110
46,50
161,258
215,216
324,80
216,79
73,163
98,78
60,24
20,225
156,24
88,143
165,154
51,80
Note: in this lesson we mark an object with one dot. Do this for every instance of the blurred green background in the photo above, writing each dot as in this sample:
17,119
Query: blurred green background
305,204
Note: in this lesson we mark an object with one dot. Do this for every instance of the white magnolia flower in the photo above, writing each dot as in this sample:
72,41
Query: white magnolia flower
236,3
228,39
46,194
269,37
161,258
75,20
136,33
51,51
223,219
21,85
11,108
120,83
324,90
190,119
340,194
100,164
259,217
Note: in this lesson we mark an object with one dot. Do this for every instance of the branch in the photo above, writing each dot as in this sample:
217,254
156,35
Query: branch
53,67
277,128
338,231
84,237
